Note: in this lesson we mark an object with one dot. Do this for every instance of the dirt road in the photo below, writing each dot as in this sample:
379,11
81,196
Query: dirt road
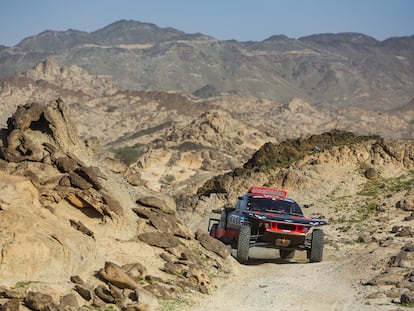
271,284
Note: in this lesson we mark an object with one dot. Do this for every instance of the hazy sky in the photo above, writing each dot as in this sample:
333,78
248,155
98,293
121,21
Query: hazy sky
223,19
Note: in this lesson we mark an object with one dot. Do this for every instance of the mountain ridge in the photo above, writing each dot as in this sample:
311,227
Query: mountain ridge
333,70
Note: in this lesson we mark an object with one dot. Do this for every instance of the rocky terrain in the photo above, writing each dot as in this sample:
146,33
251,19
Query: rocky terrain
330,70
74,235
363,187
106,192
175,141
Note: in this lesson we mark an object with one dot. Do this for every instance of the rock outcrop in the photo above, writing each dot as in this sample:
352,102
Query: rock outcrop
44,134
63,216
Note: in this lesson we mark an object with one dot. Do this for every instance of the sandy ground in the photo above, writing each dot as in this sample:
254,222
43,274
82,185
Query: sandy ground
272,284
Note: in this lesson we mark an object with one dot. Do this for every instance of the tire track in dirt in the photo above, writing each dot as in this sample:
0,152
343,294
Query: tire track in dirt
272,284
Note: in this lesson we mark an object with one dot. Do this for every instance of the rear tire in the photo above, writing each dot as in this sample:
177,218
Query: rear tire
316,251
286,253
213,230
243,244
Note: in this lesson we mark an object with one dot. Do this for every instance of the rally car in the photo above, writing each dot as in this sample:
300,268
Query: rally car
265,217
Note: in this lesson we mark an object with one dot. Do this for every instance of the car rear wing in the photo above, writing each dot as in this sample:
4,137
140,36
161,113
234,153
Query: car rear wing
266,191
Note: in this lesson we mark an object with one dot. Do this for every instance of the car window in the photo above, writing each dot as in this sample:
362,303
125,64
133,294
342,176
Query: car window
238,204
281,206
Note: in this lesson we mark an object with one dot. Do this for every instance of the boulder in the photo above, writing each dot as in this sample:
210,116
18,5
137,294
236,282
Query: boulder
164,222
407,297
147,299
69,302
89,174
411,217
408,247
174,268
159,239
21,147
35,130
114,274
104,294
404,259
39,302
371,173
76,201
405,231
161,291
77,280
117,293
66,164
407,203
159,201
137,270
386,279
79,182
113,204
90,198
83,291
25,115
11,305
11,294
134,179
199,278
212,244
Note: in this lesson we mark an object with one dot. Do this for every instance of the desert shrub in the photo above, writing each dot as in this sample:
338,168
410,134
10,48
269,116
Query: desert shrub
376,190
111,108
169,178
388,186
189,146
128,155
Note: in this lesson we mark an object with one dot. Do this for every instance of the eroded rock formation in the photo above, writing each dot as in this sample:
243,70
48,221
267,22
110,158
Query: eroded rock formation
64,218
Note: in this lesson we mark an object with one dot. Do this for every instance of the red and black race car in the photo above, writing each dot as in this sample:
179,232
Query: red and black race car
265,217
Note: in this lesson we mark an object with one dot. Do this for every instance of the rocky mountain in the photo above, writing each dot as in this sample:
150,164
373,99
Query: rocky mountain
334,71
